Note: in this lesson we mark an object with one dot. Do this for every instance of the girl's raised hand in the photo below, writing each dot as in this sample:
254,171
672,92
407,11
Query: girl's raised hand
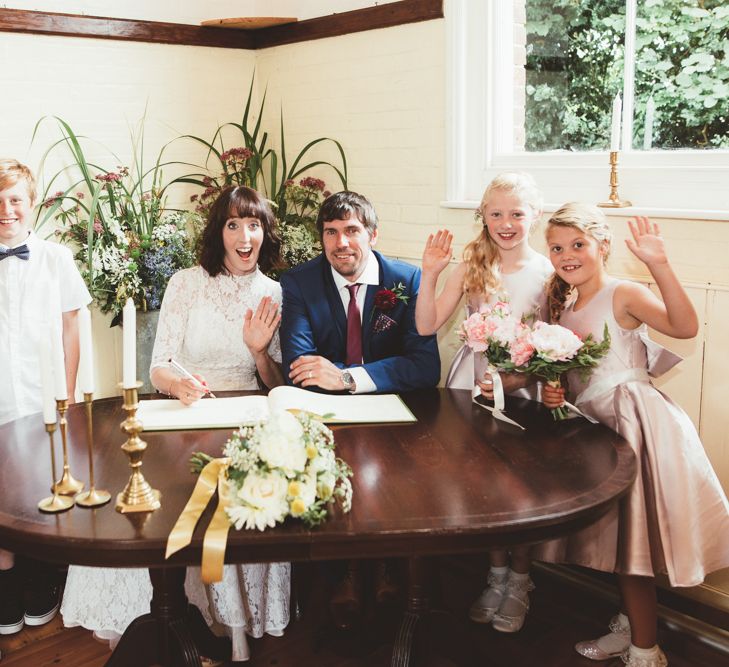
437,253
647,244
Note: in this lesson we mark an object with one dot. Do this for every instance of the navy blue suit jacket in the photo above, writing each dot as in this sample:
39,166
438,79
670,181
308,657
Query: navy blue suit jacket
314,322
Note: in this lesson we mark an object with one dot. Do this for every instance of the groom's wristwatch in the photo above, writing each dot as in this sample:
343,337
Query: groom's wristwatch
348,381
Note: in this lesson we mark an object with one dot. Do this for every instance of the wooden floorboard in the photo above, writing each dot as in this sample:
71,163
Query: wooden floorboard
560,616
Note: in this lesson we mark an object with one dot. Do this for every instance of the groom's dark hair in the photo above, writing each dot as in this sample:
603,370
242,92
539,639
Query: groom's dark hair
342,206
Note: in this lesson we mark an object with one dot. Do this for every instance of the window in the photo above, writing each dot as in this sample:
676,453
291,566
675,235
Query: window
532,83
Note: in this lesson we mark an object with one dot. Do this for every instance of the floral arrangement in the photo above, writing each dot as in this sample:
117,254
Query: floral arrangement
285,466
295,209
545,350
124,253
126,244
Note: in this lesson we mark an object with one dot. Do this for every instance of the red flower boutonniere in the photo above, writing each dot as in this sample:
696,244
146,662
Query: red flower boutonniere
386,299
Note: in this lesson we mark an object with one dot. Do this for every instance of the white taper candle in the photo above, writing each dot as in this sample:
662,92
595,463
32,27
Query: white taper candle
615,133
650,111
86,361
58,361
129,376
48,389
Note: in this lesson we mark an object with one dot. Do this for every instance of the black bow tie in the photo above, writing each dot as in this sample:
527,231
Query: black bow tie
21,252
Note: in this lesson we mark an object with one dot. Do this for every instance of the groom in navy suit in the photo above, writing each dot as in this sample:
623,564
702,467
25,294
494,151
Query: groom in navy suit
348,324
348,316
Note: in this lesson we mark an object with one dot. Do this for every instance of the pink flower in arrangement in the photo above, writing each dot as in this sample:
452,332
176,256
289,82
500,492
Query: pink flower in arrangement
193,198
326,194
288,182
521,349
239,154
79,195
97,226
475,332
312,183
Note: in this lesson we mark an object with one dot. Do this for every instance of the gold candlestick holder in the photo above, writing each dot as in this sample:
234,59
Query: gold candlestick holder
93,497
54,503
67,485
614,200
138,495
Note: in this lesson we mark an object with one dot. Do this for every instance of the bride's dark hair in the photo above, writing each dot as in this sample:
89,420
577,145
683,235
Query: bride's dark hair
239,202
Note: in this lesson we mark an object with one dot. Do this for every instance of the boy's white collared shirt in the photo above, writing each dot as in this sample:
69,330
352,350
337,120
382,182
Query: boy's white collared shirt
370,276
32,293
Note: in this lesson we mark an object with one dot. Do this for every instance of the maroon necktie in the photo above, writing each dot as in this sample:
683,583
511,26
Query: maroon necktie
354,328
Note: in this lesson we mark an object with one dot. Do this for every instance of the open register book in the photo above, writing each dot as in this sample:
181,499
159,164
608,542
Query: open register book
171,415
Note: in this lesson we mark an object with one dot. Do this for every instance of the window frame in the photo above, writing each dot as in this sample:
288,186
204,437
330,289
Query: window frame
480,119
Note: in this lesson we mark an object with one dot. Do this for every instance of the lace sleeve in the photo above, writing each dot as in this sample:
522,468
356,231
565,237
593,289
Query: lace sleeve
274,347
173,314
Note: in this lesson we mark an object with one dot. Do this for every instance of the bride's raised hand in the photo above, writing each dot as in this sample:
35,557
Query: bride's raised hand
438,252
647,243
259,327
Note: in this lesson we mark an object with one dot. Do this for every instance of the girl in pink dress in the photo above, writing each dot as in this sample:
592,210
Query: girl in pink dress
498,265
675,519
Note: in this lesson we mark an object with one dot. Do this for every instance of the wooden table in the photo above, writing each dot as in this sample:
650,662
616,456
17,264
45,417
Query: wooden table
457,481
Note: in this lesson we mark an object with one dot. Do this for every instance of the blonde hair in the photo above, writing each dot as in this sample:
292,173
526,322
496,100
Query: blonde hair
481,256
589,220
12,172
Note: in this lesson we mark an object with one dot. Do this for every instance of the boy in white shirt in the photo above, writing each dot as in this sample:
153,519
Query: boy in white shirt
36,277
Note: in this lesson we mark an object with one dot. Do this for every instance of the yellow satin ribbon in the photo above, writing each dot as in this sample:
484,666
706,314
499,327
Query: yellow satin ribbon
211,477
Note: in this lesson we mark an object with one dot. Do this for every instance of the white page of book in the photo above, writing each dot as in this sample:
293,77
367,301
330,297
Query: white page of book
172,415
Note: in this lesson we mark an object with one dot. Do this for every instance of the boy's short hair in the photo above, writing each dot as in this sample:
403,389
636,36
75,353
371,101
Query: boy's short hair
12,172
345,205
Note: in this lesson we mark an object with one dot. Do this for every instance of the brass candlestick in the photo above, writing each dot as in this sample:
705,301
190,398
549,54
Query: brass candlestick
93,497
67,485
54,503
138,495
614,200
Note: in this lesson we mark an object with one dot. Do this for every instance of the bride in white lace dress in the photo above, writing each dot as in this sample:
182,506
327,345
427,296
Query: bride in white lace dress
220,321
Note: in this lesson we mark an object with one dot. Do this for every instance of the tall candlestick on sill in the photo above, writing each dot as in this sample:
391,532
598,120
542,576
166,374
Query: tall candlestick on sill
58,362
650,110
86,361
615,132
129,376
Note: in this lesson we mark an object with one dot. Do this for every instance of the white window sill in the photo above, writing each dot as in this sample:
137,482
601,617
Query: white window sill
650,212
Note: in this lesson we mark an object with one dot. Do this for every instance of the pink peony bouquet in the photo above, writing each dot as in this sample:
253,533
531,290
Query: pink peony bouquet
545,350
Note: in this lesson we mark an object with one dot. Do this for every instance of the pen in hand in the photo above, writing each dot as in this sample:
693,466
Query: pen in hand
189,376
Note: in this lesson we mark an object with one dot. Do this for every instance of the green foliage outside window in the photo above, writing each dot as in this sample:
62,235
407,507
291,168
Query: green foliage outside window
574,69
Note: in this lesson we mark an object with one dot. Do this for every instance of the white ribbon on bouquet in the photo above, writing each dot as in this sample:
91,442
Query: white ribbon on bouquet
498,410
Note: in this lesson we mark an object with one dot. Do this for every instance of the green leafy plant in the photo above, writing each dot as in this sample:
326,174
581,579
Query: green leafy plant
255,164
126,244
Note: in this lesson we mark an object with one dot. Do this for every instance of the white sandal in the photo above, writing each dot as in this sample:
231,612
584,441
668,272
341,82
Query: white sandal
487,604
514,606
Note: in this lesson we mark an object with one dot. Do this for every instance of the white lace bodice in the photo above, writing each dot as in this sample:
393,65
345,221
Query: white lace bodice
201,326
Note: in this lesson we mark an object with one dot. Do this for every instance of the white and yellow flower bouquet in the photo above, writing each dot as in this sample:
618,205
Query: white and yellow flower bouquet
284,466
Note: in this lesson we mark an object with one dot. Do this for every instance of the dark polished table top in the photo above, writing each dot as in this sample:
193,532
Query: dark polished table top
455,481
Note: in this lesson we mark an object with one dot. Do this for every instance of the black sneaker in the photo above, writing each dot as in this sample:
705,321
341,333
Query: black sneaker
42,600
11,603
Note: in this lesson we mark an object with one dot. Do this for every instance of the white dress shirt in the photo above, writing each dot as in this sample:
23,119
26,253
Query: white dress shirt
370,276
32,293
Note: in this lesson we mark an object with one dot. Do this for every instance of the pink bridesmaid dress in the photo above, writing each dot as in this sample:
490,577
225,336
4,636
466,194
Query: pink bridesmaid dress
675,519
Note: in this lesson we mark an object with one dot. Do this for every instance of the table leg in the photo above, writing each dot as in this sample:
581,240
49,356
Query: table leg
420,573
172,633
435,626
